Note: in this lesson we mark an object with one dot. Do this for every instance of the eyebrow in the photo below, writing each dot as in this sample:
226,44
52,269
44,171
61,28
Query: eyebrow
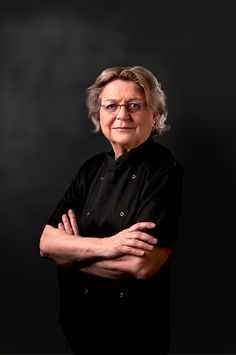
130,100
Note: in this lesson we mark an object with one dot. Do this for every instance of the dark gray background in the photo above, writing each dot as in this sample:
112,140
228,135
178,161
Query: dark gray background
50,53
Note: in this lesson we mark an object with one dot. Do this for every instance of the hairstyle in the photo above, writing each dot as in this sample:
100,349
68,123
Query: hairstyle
155,96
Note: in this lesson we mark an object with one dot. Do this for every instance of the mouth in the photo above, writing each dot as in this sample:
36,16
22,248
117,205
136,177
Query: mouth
122,128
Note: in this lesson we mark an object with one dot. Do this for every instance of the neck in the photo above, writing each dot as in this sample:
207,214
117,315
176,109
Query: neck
120,150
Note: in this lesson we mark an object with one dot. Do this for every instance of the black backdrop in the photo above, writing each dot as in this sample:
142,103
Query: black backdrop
50,53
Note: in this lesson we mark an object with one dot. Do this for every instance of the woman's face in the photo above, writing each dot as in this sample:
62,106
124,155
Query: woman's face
124,128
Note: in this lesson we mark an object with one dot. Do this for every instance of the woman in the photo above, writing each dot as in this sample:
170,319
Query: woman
113,232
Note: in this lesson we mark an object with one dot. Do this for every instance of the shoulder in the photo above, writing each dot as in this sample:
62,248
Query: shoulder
88,170
92,164
161,159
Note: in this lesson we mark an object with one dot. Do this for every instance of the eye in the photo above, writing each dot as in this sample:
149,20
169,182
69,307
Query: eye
111,107
135,106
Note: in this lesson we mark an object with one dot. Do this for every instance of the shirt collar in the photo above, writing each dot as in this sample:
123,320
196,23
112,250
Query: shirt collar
129,157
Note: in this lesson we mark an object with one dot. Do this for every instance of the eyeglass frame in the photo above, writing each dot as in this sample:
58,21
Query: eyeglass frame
143,104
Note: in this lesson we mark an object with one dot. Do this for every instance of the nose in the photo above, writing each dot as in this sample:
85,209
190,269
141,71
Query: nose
122,113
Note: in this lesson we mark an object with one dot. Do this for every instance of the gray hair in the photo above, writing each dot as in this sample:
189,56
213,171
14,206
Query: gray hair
155,96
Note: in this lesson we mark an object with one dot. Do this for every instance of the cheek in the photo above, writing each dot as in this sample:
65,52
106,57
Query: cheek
146,125
102,122
105,124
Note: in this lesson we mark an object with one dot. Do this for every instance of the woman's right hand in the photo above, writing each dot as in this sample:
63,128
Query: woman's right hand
131,241
69,223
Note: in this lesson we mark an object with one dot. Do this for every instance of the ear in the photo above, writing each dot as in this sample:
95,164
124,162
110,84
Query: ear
156,117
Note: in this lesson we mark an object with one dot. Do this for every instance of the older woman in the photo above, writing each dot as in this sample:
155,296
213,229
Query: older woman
113,232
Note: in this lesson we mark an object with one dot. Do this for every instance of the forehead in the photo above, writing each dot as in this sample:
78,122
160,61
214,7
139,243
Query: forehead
122,89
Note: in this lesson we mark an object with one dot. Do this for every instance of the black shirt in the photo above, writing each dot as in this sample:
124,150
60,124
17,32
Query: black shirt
107,195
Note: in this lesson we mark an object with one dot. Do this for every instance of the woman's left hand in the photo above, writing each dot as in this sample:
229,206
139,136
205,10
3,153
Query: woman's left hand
130,241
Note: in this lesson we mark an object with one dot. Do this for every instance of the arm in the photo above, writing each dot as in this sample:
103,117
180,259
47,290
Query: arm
65,246
128,253
130,265
114,266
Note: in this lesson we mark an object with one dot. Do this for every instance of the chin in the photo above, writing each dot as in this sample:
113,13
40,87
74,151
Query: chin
123,140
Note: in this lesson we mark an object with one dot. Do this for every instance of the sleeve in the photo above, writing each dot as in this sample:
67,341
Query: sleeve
72,198
161,203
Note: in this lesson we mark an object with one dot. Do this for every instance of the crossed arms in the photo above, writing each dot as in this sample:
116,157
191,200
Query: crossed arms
129,253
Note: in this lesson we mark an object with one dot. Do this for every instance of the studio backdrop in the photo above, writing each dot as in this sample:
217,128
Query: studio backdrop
50,53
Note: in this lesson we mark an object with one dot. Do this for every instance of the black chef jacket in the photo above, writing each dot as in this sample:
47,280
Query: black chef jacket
107,195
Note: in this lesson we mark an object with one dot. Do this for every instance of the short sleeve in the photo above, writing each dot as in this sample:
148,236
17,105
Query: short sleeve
70,200
161,203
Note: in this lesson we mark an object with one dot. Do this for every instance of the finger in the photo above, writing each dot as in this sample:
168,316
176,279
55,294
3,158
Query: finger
66,223
61,226
141,225
143,237
139,244
73,222
132,251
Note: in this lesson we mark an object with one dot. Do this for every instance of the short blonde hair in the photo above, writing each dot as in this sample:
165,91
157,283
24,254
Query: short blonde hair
155,96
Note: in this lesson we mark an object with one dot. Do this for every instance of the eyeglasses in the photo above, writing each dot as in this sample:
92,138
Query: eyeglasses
130,107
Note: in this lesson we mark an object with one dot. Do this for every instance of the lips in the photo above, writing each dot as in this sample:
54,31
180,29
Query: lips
123,128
